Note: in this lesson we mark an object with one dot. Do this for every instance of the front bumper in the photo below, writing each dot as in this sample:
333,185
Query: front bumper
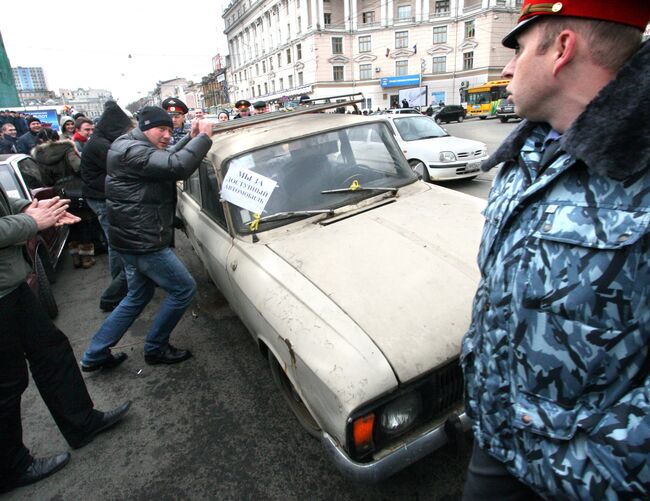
455,170
398,459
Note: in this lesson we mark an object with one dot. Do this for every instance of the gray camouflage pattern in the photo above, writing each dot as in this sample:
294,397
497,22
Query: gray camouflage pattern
556,358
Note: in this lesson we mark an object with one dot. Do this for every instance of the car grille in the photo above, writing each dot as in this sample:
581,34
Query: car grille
469,154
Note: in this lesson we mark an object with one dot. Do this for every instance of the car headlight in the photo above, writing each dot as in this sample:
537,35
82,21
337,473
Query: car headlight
400,414
447,156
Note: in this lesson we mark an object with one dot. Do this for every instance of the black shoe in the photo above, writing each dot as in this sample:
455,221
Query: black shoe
108,363
40,469
108,305
167,355
109,419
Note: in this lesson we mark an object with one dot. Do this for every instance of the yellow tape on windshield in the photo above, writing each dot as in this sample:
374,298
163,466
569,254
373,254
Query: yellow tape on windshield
355,185
255,223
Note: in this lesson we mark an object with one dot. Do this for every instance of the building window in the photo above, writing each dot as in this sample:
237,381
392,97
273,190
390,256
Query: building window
441,8
299,23
469,29
257,69
401,68
299,52
288,30
290,81
337,73
368,17
270,63
282,84
288,56
439,34
263,66
365,71
327,18
364,44
300,81
266,88
403,12
279,59
337,45
272,85
439,64
401,39
468,60
259,90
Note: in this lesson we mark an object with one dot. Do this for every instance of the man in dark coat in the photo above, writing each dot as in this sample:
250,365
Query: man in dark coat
28,334
28,140
141,199
8,139
112,124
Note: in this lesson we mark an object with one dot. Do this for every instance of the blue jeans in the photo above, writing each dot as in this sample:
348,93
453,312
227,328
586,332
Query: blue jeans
99,207
143,273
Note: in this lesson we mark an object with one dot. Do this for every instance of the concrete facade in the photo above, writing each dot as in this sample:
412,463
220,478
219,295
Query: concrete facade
328,47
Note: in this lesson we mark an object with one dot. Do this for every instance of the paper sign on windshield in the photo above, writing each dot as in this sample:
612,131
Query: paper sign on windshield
247,189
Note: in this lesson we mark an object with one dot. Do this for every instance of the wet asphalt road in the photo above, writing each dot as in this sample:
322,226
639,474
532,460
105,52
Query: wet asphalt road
213,427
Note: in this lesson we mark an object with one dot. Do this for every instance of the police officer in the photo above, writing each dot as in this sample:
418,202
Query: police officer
177,109
244,107
259,107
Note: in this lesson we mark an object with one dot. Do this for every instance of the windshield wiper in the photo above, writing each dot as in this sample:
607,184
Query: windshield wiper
361,188
278,216
433,137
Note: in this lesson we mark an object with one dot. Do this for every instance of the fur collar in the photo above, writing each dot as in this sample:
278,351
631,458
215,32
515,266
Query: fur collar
612,135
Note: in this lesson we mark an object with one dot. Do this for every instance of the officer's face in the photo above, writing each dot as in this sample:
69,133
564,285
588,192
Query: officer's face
159,136
178,119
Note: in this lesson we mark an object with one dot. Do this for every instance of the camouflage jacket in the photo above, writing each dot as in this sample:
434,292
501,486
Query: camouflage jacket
556,362
178,134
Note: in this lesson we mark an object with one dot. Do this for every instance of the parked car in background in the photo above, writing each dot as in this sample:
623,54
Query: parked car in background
505,110
402,111
333,254
17,173
434,154
449,113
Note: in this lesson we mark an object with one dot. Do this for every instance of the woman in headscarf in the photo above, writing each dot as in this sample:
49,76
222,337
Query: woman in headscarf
67,127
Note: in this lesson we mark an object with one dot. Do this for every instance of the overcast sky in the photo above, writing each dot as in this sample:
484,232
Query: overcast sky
87,44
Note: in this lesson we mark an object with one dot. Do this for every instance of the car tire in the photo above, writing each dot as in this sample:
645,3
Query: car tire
45,295
47,265
420,169
461,118
482,117
503,119
438,121
292,398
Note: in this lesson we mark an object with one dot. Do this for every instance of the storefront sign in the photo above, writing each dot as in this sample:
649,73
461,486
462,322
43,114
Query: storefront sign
403,81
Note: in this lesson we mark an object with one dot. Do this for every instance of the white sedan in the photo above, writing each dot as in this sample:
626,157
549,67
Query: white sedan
432,153
354,278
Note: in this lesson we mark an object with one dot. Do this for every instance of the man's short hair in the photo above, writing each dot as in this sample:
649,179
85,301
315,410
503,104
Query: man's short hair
80,121
609,44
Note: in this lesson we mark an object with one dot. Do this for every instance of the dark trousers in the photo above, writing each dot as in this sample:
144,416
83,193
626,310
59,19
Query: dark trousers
488,479
28,334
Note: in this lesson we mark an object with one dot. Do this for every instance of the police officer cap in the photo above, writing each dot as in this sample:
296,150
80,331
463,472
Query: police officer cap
259,104
242,103
174,105
629,12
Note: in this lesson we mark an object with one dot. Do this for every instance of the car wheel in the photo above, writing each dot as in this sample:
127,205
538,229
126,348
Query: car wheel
45,295
482,117
438,121
47,265
420,169
292,398
503,119
461,118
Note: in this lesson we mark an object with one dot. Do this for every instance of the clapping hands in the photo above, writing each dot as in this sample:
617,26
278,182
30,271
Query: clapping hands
50,212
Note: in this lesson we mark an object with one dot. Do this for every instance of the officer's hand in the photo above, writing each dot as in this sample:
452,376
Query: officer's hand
205,127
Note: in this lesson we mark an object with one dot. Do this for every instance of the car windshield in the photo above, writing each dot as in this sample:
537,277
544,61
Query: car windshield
352,161
414,128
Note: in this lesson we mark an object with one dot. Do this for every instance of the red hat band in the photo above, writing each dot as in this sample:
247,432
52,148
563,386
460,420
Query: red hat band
630,12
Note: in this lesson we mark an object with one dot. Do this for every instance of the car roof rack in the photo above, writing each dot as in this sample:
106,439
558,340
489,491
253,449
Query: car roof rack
315,105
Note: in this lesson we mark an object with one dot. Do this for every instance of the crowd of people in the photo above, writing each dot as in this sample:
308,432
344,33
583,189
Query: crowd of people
556,360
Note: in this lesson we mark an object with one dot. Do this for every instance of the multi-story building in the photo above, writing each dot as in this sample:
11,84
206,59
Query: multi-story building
31,84
8,91
377,47
89,101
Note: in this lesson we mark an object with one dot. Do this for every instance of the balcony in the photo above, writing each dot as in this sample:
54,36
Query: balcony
404,20
440,13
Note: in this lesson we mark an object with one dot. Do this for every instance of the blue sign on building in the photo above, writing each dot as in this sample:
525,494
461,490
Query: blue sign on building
403,81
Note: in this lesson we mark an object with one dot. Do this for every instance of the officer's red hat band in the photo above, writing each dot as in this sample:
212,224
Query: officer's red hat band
634,13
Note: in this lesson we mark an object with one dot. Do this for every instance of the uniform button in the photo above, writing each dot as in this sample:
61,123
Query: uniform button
546,227
526,419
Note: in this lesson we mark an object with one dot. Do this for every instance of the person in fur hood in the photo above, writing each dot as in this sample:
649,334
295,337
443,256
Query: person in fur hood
56,159
556,360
